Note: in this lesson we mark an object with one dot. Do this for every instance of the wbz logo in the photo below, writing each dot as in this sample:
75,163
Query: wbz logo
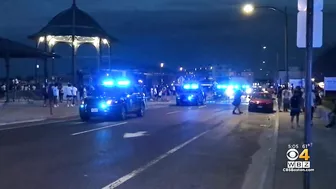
298,164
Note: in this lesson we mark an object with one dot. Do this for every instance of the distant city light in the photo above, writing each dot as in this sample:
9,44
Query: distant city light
264,47
264,62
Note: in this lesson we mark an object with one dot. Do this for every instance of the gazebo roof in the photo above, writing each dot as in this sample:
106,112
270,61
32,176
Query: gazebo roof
12,49
62,25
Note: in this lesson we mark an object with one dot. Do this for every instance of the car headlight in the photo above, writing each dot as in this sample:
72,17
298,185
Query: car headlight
109,102
248,90
190,97
229,92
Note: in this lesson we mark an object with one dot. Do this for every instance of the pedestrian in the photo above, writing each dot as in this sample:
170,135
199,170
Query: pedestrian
332,116
55,94
286,95
68,93
236,102
295,108
313,105
74,95
279,97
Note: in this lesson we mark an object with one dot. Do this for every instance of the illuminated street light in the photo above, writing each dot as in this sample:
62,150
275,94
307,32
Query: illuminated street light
248,9
264,62
161,65
181,69
264,47
211,68
260,69
37,66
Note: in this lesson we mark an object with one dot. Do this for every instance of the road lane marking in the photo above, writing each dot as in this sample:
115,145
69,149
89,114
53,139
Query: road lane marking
173,112
134,173
100,128
201,107
31,124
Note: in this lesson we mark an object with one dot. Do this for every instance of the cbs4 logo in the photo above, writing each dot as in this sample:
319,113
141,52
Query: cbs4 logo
293,154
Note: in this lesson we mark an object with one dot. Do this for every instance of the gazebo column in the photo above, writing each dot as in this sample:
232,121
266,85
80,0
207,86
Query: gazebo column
36,63
99,55
7,78
46,49
73,58
110,55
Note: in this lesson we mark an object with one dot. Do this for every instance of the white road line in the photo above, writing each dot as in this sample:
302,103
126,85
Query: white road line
100,128
134,173
201,107
37,124
174,112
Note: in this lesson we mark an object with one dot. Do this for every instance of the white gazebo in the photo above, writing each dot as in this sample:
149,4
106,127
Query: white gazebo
74,27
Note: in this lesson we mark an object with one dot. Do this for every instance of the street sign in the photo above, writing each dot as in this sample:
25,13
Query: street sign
302,5
317,29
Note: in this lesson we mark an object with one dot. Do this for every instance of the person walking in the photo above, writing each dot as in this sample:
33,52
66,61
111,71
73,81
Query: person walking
236,102
286,96
295,108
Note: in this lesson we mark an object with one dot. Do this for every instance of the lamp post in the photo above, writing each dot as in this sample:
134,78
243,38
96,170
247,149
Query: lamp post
36,72
250,8
161,67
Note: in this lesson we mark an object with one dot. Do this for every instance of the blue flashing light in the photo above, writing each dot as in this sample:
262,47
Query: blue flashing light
190,86
194,86
82,105
123,82
108,83
186,86
103,105
236,87
222,86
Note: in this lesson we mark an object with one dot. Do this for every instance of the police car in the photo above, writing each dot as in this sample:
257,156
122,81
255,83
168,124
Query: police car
113,98
191,94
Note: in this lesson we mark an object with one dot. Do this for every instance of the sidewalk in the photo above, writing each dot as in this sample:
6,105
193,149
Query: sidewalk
323,155
20,112
12,113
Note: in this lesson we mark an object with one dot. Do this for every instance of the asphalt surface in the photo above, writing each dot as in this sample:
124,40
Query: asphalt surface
170,148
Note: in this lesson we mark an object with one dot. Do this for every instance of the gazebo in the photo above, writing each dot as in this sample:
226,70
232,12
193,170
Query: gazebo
11,49
75,27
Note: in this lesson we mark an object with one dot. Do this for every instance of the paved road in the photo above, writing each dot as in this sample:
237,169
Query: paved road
172,147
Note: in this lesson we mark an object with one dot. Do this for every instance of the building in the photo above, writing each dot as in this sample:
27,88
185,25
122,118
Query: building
293,73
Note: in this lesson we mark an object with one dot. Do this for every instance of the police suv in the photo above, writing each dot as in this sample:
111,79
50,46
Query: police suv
113,98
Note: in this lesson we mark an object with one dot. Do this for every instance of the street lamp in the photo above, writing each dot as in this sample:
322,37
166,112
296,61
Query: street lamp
249,9
181,69
264,62
260,69
211,68
161,65
264,47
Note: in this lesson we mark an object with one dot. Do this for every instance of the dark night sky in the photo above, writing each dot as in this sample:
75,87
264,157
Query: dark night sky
178,32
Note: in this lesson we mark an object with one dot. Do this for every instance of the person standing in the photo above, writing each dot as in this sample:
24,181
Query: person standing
56,93
74,95
68,93
295,104
279,97
236,102
286,96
